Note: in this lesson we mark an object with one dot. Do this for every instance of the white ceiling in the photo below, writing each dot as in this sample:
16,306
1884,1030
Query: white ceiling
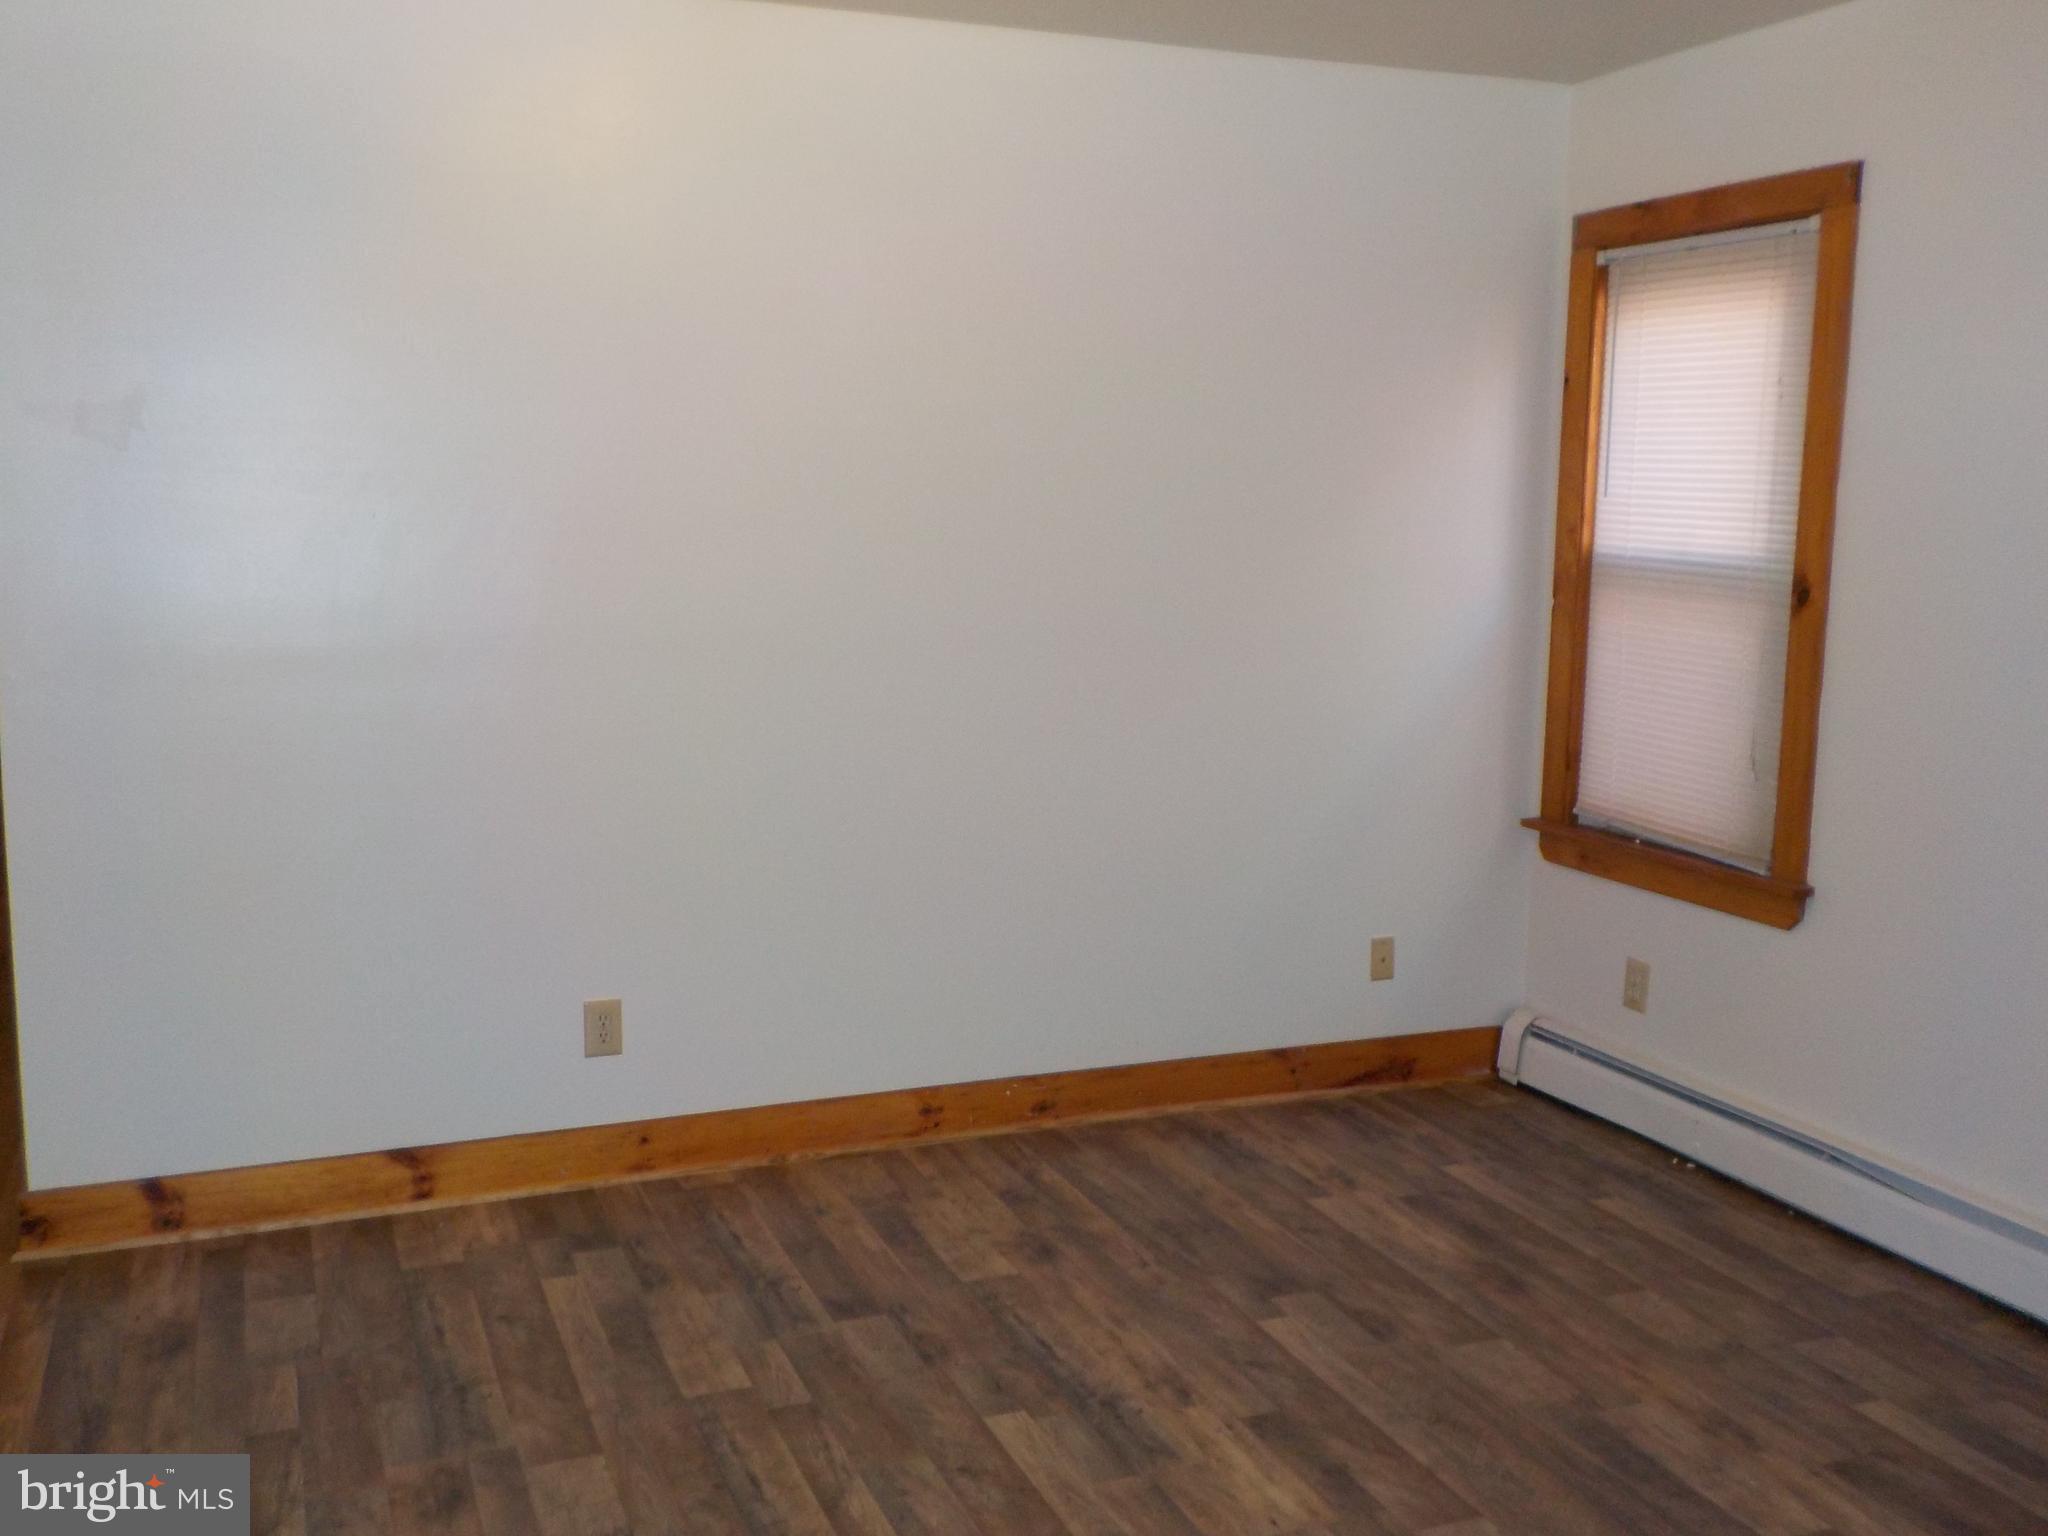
1564,40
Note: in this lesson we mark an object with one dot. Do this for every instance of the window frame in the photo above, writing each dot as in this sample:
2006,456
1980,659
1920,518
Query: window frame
1833,194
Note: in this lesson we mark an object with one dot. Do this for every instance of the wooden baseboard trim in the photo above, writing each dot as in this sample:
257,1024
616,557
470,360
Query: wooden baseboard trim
125,1213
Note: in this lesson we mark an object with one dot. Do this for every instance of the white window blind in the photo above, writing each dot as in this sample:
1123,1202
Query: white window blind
1701,445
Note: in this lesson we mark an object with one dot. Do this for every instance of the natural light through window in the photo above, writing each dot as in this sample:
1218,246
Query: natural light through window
1696,517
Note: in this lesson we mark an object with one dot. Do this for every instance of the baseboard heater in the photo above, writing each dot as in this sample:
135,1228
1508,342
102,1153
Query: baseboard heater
2001,1257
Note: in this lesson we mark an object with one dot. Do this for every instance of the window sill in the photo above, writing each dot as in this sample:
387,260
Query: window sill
1681,876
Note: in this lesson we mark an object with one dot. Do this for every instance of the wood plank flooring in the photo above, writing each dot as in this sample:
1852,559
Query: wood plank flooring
1459,1311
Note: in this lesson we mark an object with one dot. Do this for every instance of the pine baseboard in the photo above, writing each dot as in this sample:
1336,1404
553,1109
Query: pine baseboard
129,1212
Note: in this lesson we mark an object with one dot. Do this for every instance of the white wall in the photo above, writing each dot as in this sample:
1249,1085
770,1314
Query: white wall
1906,1015
909,553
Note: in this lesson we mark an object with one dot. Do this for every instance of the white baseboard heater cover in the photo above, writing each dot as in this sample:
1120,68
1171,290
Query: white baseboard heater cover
2003,1258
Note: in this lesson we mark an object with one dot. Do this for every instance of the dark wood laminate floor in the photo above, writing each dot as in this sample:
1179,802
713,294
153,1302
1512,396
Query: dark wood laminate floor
1457,1311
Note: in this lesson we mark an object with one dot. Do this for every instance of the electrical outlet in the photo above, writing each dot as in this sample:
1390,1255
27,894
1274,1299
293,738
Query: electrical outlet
604,1027
1383,959
1635,986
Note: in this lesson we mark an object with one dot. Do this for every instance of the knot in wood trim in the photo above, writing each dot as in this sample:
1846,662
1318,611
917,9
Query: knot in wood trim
416,1168
166,1206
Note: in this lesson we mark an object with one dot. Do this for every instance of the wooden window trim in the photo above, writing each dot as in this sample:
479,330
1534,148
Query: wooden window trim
1833,194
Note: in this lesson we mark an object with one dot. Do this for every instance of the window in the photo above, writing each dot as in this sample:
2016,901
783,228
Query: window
1707,349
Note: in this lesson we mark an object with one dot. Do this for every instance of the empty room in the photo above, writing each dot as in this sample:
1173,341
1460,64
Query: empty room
1024,767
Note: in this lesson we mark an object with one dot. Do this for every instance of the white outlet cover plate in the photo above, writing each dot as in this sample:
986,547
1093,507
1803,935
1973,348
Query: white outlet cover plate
604,1027
1635,986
